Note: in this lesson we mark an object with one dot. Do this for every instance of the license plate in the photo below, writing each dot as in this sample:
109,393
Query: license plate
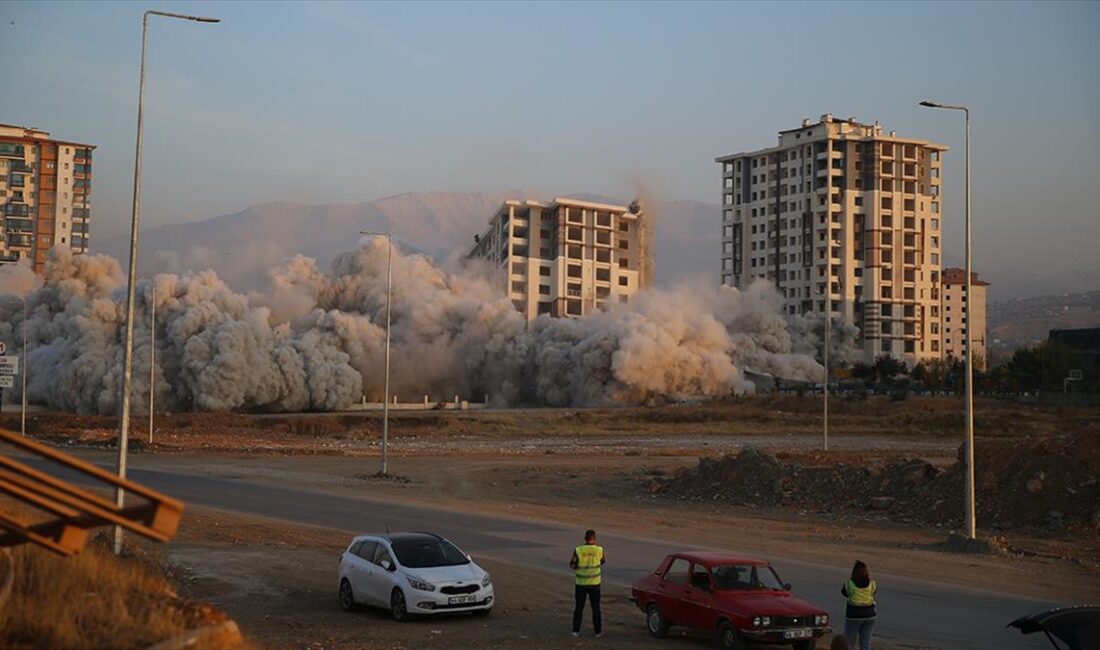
461,600
801,633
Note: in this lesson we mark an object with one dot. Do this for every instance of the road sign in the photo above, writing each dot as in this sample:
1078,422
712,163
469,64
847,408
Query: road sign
1076,375
9,365
7,381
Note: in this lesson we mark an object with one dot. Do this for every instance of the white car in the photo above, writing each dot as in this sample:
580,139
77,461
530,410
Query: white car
412,573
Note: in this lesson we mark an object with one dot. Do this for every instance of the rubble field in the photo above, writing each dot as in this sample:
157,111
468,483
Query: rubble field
1040,483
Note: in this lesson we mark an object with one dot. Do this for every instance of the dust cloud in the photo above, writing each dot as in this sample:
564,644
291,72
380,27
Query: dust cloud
315,340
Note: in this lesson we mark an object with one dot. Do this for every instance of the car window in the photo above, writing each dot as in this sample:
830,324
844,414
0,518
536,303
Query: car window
354,548
366,551
381,555
745,576
678,571
699,577
428,553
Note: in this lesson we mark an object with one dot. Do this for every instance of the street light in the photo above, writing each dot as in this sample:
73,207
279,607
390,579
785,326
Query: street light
152,355
135,218
386,388
971,518
26,367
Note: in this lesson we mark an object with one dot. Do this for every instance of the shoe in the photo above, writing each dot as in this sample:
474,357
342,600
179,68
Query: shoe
576,634
599,634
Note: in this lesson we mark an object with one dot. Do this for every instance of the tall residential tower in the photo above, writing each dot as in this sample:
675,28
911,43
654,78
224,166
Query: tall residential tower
44,194
840,208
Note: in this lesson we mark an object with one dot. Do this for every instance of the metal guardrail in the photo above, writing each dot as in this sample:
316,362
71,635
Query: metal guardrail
74,510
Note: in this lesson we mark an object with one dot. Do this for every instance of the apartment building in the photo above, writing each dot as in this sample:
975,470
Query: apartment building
955,307
45,185
566,257
842,209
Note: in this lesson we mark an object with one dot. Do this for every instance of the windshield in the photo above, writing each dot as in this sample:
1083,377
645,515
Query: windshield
744,576
428,553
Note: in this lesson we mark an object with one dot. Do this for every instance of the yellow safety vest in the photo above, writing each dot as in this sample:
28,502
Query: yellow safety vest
861,596
589,559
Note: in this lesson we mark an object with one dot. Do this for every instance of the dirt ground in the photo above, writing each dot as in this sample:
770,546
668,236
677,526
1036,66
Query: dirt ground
277,580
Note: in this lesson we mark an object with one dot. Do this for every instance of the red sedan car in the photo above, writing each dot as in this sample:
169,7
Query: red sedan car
740,598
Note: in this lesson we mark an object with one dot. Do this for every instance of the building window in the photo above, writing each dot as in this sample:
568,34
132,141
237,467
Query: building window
544,271
544,290
574,270
624,281
623,244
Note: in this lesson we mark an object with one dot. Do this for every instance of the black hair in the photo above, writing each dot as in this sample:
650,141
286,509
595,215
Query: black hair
860,574
589,535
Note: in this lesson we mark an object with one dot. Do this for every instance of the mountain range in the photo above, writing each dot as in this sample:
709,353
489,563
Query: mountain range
243,246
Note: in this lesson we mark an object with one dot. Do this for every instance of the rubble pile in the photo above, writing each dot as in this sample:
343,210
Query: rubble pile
1050,483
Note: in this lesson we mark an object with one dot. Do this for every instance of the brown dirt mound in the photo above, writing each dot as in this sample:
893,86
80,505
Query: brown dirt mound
1050,483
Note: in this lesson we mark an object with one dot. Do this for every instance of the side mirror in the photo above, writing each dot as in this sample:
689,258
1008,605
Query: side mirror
386,564
786,586
469,558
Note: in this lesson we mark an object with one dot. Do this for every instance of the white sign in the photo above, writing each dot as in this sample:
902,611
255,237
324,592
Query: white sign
9,365
1076,375
7,381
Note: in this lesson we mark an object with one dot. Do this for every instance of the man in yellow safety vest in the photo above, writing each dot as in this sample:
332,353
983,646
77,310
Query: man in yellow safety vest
587,562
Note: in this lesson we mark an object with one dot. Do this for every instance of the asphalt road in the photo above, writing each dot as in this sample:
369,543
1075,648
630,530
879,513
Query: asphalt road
913,613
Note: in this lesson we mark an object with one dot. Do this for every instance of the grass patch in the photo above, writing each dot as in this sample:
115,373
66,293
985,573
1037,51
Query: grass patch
94,600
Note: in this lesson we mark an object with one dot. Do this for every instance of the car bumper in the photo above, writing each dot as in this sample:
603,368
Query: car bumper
427,602
778,634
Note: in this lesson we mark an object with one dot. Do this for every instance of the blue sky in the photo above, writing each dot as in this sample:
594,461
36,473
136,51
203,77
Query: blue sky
351,102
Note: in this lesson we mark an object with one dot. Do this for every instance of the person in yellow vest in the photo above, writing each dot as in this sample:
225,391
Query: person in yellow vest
587,564
860,614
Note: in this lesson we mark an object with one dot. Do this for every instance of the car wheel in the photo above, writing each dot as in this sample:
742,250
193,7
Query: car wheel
347,596
728,637
655,622
809,644
398,607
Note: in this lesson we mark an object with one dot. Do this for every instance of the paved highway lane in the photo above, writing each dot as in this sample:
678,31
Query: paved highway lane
912,612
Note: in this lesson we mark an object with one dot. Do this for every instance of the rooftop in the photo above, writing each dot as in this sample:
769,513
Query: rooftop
953,276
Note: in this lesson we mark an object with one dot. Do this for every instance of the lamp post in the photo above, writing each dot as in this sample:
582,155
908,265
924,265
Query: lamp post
386,388
135,219
971,518
152,355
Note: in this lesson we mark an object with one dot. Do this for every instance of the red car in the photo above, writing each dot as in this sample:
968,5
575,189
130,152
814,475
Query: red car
739,598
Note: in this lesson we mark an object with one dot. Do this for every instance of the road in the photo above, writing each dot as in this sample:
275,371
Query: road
913,612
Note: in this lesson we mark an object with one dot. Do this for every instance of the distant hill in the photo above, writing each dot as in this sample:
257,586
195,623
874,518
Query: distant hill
242,246
1027,321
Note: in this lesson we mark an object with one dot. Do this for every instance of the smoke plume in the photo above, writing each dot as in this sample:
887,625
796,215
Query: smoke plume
315,340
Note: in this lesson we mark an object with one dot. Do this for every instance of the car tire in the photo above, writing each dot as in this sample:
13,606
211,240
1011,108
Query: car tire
655,622
728,637
809,644
346,596
399,607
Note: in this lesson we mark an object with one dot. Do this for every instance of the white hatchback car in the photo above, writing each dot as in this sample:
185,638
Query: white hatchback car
412,573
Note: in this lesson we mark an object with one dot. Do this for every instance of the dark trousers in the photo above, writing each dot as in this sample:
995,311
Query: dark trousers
592,593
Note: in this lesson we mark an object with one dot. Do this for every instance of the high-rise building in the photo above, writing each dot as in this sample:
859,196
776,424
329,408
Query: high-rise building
45,186
840,208
958,311
567,257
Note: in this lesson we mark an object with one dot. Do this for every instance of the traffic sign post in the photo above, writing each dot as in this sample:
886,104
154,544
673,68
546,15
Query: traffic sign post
9,365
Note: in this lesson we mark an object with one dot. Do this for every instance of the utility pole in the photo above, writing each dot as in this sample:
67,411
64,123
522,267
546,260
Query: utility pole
26,367
386,389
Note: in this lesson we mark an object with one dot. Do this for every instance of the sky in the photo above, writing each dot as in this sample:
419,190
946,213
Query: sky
338,103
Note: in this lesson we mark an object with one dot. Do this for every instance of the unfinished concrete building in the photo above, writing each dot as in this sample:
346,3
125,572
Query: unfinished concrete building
567,257
844,217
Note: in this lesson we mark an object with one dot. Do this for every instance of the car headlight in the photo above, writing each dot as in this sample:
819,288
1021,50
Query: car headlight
418,583
756,621
486,581
821,619
766,621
